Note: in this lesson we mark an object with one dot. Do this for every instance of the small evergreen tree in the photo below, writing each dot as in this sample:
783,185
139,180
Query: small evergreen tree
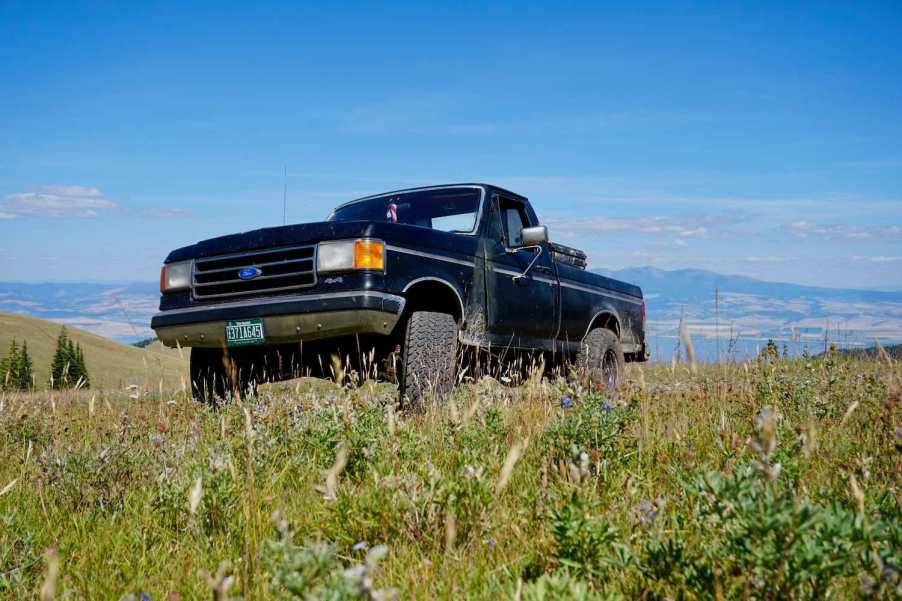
73,363
9,368
61,366
68,366
81,368
26,376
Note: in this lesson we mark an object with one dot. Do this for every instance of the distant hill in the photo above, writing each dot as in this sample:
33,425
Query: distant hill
697,285
118,311
753,311
110,364
893,350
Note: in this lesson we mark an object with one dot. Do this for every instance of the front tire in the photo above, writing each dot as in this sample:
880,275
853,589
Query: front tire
600,360
429,357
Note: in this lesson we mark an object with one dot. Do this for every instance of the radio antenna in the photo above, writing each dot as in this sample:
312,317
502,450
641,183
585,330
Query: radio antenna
284,194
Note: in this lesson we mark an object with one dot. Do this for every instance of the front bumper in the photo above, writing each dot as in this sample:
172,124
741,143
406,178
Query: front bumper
285,320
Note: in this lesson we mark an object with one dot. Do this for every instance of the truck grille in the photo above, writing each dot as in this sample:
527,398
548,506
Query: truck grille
281,270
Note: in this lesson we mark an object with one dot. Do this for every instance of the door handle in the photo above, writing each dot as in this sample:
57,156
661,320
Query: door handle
543,269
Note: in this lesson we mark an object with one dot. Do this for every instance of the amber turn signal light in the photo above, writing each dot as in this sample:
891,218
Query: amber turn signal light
369,254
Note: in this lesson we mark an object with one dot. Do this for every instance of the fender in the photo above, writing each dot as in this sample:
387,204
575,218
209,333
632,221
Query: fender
605,309
449,285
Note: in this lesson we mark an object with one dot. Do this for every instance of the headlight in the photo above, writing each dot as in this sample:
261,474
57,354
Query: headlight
175,276
348,255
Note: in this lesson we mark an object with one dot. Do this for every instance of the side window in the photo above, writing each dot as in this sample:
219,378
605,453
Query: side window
513,226
513,220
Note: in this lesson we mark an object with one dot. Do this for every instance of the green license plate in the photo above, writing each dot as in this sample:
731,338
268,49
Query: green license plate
246,331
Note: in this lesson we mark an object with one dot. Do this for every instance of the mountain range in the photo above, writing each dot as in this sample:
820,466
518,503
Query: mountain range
723,313
739,314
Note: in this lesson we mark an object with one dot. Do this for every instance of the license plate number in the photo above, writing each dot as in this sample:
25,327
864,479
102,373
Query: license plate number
246,331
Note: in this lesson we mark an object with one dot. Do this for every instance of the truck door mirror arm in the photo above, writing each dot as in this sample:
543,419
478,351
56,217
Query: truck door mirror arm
538,249
533,238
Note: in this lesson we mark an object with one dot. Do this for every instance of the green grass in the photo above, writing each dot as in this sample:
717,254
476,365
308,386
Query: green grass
110,364
668,488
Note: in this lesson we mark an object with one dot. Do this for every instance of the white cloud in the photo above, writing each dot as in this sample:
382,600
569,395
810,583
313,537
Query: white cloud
809,229
682,227
160,213
755,259
55,202
81,191
879,259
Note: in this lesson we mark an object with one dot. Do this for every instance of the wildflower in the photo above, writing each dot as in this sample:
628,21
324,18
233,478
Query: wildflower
221,582
606,407
648,511
584,464
361,576
474,473
566,402
219,462
765,444
361,546
765,440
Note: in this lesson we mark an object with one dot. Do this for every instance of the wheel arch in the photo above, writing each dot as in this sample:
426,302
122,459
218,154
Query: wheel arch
607,318
433,293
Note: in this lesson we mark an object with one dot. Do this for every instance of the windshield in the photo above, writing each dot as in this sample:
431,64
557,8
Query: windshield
445,209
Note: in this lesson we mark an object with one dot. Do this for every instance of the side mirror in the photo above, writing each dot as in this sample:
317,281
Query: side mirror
534,236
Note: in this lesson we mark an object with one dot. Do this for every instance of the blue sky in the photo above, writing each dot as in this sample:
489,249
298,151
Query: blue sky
763,140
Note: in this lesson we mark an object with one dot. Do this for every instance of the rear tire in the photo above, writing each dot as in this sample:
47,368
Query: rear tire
600,360
429,357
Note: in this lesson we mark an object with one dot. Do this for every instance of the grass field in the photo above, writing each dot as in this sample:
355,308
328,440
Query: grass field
751,481
110,364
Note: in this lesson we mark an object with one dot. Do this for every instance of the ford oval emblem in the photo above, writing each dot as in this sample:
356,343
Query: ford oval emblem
249,273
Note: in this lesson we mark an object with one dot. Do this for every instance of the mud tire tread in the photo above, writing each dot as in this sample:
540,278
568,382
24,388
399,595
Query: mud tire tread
591,353
429,357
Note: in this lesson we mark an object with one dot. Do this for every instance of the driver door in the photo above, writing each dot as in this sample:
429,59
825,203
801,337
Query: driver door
524,308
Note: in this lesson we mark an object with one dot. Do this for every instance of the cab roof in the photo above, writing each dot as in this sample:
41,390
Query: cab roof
419,188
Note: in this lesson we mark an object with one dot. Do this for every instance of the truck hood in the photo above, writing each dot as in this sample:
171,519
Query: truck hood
307,233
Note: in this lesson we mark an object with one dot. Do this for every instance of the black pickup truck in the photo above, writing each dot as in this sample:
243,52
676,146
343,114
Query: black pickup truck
405,281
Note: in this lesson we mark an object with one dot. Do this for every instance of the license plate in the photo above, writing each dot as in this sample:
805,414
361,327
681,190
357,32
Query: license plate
246,331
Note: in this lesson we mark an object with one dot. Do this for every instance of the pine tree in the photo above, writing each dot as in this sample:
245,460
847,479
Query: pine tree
73,375
61,366
81,368
4,369
25,368
9,368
